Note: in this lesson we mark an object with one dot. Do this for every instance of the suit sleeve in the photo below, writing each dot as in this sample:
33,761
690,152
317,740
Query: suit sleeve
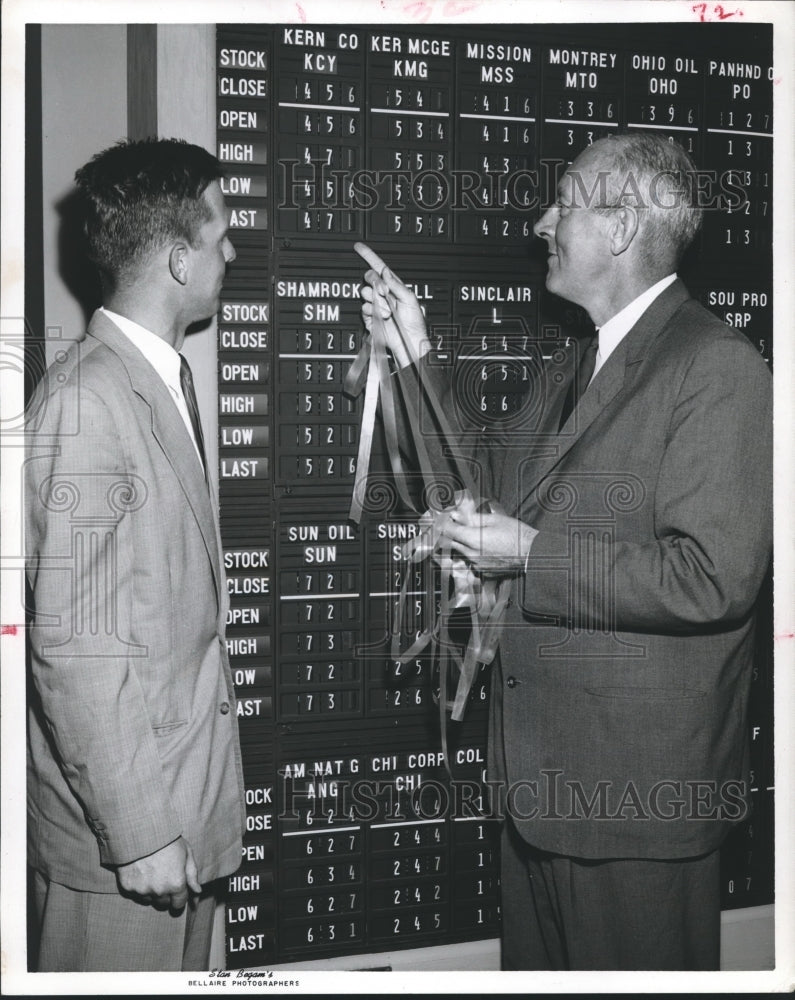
81,554
712,511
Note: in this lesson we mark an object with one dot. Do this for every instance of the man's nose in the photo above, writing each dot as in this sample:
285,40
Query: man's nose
230,254
546,224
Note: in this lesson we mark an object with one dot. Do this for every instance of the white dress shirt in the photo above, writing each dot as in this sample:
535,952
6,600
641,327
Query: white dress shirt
162,357
618,326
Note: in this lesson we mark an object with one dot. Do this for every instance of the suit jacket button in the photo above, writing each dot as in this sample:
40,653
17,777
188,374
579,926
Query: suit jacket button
511,682
224,708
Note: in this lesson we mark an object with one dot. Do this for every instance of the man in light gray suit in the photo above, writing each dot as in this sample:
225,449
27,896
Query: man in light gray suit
135,789
639,533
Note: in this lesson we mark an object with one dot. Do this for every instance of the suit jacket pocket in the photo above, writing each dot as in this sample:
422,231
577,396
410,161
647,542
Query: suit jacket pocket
645,693
646,734
169,735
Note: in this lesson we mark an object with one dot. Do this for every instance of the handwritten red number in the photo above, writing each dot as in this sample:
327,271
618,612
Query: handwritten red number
716,10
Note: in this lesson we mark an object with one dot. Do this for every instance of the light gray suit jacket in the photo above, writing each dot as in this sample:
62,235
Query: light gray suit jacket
133,735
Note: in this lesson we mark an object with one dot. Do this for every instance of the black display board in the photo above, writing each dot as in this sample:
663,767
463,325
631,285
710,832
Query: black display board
438,146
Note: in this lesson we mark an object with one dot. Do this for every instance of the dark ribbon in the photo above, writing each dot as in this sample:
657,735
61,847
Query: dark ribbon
485,597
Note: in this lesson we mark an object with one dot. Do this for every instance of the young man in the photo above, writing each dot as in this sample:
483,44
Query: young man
135,792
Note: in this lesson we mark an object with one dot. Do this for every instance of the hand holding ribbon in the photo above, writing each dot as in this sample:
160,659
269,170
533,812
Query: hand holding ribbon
493,543
486,598
475,545
385,294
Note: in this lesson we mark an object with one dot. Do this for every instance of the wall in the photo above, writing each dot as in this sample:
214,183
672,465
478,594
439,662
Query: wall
75,125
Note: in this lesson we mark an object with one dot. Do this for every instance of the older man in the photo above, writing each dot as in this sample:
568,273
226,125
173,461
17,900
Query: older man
135,791
639,534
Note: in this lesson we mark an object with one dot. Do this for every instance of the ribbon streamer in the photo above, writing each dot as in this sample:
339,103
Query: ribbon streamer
373,359
461,588
485,598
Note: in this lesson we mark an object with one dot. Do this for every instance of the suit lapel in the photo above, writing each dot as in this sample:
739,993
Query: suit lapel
611,379
605,384
511,451
169,430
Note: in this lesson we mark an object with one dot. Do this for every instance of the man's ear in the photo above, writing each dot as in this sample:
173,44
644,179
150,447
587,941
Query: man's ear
178,262
624,229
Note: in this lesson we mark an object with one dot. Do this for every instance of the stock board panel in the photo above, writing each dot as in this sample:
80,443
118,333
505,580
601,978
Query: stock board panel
439,146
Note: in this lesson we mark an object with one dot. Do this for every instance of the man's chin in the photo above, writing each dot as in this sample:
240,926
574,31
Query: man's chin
206,318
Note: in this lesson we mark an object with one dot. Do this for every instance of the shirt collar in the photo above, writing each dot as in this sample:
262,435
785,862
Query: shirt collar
160,355
617,327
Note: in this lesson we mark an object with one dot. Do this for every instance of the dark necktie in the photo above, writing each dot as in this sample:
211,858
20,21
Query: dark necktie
186,382
580,381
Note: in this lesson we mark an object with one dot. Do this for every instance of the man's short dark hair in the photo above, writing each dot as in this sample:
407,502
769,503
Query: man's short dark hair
139,196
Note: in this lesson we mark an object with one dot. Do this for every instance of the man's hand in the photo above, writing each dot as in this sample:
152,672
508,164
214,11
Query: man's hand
494,544
384,291
164,878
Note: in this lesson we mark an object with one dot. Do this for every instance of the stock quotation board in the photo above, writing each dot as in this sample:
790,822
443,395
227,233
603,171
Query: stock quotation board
437,146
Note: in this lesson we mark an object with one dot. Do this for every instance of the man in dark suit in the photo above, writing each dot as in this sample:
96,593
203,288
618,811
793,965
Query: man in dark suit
135,790
639,534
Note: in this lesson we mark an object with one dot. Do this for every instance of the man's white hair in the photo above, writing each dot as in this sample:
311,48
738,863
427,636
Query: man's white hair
656,176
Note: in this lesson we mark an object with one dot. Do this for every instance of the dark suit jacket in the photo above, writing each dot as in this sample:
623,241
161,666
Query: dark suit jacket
132,731
619,706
